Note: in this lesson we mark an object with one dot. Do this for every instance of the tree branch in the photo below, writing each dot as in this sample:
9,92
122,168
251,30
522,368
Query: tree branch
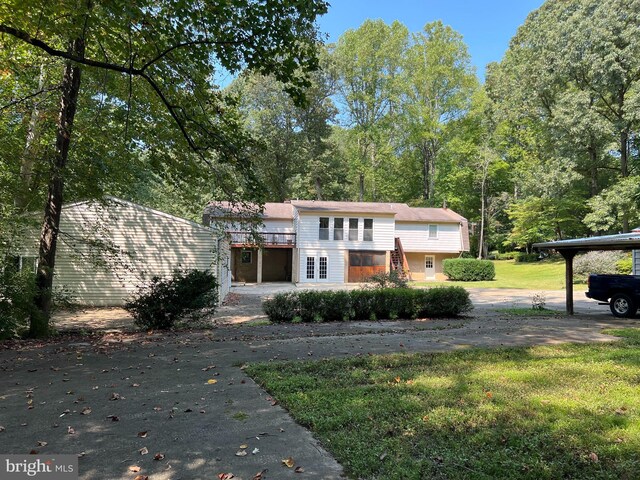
31,95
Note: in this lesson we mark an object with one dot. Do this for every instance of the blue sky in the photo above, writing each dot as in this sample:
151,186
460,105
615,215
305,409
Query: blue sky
487,26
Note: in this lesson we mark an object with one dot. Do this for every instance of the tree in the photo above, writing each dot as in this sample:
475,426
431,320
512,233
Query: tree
171,49
367,63
438,82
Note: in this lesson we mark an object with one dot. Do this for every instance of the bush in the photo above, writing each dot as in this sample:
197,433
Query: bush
163,301
506,255
468,269
603,262
624,266
366,304
523,257
387,280
17,291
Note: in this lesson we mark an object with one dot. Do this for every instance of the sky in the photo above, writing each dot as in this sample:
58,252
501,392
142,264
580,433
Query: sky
486,25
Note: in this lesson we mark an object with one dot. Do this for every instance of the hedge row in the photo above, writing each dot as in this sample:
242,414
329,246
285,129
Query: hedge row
468,269
373,304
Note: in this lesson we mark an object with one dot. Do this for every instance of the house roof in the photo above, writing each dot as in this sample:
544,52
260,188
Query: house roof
623,241
273,211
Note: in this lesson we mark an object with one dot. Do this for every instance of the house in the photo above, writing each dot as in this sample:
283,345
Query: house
320,241
107,249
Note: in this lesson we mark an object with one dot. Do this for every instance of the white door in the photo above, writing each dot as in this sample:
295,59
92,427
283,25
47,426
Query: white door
429,267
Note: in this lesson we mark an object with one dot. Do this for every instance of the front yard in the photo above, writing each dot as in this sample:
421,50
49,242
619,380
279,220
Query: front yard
564,411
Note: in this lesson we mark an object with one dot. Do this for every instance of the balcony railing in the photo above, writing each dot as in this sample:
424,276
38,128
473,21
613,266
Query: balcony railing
268,239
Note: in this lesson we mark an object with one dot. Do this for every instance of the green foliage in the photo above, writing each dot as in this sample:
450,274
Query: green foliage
393,279
523,257
468,269
162,302
624,266
603,262
366,304
614,204
17,290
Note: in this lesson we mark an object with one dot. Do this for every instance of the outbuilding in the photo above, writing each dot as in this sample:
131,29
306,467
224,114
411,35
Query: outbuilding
107,249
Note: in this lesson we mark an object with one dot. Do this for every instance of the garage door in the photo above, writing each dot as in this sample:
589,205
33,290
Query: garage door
364,264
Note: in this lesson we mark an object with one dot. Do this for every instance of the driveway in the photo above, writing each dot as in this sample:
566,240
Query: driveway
184,398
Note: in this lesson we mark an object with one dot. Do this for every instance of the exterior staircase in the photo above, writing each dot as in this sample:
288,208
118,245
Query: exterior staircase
399,261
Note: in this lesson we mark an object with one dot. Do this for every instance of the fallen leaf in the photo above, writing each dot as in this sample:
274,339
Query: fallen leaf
135,385
42,444
489,395
2,429
299,470
288,462
33,452
86,411
397,379
211,381
157,409
70,430
243,446
142,434
134,468
383,456
241,453
114,418
226,476
143,451
593,457
158,456
115,396
254,451
141,477
259,475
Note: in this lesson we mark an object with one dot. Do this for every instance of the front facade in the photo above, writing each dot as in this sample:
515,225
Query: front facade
339,242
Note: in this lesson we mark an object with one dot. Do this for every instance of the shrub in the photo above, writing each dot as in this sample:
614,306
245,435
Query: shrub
17,291
366,304
523,257
603,262
506,255
468,269
624,266
165,300
387,280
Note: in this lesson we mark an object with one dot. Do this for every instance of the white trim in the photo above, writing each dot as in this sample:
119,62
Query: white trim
433,262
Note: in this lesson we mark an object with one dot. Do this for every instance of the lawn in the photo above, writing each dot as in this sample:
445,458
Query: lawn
547,412
545,275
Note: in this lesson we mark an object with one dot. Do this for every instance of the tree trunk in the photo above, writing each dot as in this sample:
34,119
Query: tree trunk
624,171
361,185
318,184
39,325
482,215
593,171
28,154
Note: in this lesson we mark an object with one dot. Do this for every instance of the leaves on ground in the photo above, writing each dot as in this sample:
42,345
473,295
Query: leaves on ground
288,462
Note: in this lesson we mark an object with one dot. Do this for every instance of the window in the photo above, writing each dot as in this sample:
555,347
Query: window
367,235
353,229
311,268
28,264
338,228
322,268
428,263
246,256
433,231
324,228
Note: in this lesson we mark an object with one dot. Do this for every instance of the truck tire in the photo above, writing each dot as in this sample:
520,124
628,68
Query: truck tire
622,305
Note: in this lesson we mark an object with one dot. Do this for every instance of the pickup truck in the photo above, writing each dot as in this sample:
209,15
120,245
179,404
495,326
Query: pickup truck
621,292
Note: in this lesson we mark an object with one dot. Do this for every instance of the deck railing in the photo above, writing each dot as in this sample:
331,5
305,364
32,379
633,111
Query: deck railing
272,239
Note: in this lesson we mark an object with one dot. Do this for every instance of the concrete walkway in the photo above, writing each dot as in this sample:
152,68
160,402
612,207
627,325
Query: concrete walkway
186,397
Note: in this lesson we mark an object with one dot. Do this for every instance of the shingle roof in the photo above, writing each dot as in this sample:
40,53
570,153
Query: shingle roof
280,211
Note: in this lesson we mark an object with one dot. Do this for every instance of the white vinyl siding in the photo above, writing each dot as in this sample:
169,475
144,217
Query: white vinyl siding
383,233
150,243
278,226
415,237
334,265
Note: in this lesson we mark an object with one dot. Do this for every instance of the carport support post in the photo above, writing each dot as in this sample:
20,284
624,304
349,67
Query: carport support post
568,277
259,273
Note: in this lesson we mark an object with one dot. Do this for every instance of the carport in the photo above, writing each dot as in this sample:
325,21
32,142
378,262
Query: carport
569,248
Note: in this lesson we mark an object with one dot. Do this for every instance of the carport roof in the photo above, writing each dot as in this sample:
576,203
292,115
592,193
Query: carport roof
623,241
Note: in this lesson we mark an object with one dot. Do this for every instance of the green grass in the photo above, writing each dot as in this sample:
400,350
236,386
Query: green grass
545,275
547,412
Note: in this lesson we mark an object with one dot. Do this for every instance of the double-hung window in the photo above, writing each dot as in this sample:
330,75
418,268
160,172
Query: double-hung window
433,232
338,228
323,233
353,229
367,235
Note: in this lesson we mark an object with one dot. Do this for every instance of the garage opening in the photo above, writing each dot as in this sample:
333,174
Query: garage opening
277,264
363,264
244,265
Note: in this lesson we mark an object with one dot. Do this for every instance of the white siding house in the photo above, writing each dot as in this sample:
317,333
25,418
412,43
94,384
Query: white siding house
107,249
335,242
